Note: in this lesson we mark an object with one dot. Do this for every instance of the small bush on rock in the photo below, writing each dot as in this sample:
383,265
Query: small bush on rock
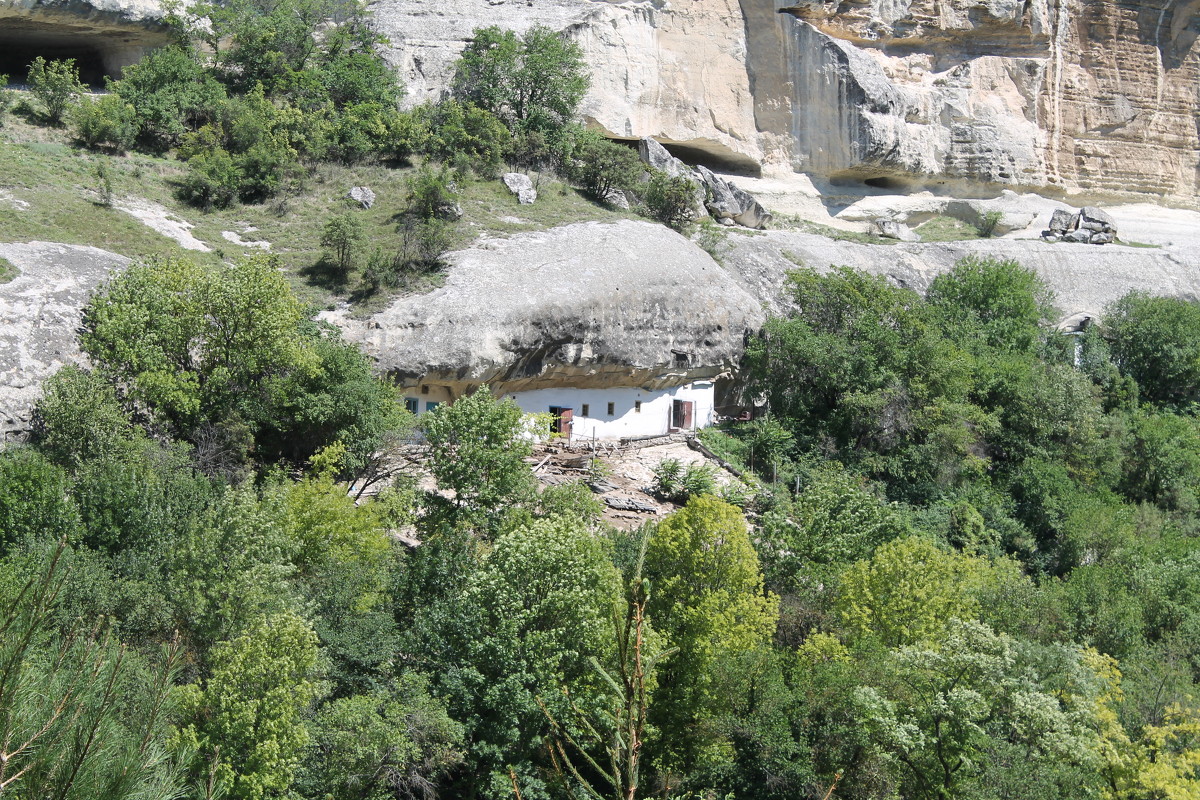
603,167
670,199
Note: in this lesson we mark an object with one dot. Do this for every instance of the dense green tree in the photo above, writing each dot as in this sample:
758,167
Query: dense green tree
395,742
80,715
604,167
478,445
707,600
247,716
211,352
534,82
171,93
460,133
56,86
529,623
1005,302
35,501
1156,341
907,591
978,710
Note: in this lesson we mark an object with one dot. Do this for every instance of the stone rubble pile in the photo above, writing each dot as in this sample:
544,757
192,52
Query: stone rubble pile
716,196
1088,225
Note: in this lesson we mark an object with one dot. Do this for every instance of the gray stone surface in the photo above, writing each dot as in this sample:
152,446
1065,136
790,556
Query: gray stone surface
39,318
724,201
582,305
1084,280
1062,221
362,195
520,185
891,229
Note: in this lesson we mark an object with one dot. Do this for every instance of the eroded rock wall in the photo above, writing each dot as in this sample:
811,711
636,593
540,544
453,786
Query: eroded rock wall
1090,95
1081,94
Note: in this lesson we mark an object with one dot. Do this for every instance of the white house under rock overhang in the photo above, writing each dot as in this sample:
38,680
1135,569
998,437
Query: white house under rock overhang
619,329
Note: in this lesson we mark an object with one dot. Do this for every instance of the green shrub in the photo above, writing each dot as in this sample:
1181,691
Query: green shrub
343,237
107,122
670,199
360,132
56,86
171,94
431,191
988,222
213,180
465,132
603,167
8,98
674,482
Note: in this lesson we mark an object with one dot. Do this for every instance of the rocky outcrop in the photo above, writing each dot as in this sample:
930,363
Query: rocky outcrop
1075,95
716,196
589,304
1084,279
521,186
40,311
1088,225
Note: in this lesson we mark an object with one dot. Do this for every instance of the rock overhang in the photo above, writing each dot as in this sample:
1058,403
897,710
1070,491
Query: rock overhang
588,304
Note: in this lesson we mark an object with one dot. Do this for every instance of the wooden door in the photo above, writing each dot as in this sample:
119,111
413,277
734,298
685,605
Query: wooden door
681,414
560,421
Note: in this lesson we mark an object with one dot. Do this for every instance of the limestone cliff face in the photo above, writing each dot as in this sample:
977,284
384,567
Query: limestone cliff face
1089,95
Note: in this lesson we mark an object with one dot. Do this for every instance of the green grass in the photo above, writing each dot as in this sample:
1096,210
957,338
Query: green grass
947,229
1139,244
7,270
829,232
43,167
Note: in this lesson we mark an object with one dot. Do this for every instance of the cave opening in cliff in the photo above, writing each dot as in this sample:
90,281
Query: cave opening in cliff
20,45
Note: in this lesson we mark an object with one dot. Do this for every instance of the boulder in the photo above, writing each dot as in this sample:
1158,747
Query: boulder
585,305
1079,236
725,201
520,185
362,195
891,229
1094,219
1062,221
655,156
448,210
1101,238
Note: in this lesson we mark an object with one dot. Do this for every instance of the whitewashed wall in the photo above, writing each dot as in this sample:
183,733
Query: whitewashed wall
653,419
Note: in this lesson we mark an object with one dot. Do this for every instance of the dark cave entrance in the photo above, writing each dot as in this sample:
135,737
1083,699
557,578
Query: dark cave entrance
20,45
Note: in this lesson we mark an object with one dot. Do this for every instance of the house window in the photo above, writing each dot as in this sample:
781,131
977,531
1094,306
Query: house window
411,404
585,409
612,409
430,405
637,406
424,390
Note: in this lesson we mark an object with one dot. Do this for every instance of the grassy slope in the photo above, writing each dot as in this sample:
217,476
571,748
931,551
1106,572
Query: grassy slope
59,181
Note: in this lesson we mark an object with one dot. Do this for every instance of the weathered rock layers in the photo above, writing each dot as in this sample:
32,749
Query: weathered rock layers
583,305
1091,95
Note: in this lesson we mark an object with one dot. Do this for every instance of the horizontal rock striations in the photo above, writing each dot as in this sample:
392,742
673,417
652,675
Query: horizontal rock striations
1094,96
